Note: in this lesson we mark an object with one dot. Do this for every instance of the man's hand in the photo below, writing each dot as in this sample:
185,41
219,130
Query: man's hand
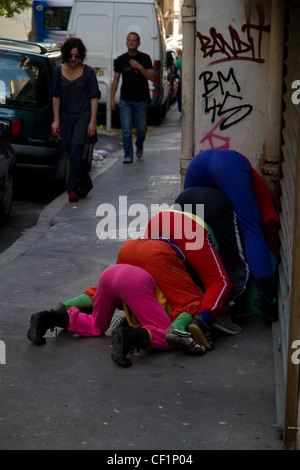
135,64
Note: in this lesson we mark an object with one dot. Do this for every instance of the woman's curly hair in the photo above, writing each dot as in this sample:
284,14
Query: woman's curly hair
70,44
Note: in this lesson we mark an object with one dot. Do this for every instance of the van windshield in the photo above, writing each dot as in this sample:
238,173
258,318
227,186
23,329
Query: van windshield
23,81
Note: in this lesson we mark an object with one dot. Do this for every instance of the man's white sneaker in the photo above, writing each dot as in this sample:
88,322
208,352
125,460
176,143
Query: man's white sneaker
226,325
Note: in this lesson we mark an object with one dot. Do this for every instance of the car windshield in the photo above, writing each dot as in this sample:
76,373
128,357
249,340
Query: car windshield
23,81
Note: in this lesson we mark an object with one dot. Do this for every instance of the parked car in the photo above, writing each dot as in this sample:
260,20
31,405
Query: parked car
7,166
26,71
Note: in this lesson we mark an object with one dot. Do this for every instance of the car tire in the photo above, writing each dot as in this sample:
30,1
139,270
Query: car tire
7,199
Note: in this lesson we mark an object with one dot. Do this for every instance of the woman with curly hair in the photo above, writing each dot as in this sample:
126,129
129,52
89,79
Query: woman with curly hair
75,105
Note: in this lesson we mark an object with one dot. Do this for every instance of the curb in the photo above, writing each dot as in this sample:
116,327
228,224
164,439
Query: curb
35,233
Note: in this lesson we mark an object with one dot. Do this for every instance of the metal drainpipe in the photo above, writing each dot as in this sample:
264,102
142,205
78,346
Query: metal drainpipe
272,151
188,13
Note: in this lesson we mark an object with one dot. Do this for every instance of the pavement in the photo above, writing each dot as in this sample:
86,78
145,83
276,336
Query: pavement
69,394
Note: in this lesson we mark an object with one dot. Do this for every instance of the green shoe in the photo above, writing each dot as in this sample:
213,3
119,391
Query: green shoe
183,340
40,322
201,333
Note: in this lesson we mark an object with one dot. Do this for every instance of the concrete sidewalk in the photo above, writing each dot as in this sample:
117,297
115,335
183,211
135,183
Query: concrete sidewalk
68,394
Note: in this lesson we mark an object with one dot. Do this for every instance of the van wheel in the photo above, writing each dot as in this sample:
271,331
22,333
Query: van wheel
7,200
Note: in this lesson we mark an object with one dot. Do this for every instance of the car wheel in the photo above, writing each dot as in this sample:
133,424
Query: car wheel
7,199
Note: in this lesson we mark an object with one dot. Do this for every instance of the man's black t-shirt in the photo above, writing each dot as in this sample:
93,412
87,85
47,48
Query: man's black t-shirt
134,85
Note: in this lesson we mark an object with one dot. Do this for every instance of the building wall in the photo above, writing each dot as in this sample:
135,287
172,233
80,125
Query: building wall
231,76
289,269
17,27
246,61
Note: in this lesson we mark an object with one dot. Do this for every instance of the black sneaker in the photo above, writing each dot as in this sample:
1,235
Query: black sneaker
125,340
201,333
183,340
40,322
37,328
267,307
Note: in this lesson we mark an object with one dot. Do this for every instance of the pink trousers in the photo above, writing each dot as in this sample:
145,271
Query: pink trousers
136,288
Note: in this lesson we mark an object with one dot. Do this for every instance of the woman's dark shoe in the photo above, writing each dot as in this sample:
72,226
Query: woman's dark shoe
73,197
83,192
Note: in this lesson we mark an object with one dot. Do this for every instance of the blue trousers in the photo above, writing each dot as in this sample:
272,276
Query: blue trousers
130,110
231,172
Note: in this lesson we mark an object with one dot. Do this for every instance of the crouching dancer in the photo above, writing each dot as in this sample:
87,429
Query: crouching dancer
119,283
172,241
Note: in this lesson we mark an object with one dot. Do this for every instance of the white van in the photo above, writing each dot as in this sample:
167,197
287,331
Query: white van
103,26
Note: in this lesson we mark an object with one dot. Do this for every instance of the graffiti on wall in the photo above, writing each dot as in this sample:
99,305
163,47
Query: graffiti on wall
236,49
222,99
226,104
222,94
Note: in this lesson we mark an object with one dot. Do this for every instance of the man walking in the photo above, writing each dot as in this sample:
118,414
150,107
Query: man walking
136,69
